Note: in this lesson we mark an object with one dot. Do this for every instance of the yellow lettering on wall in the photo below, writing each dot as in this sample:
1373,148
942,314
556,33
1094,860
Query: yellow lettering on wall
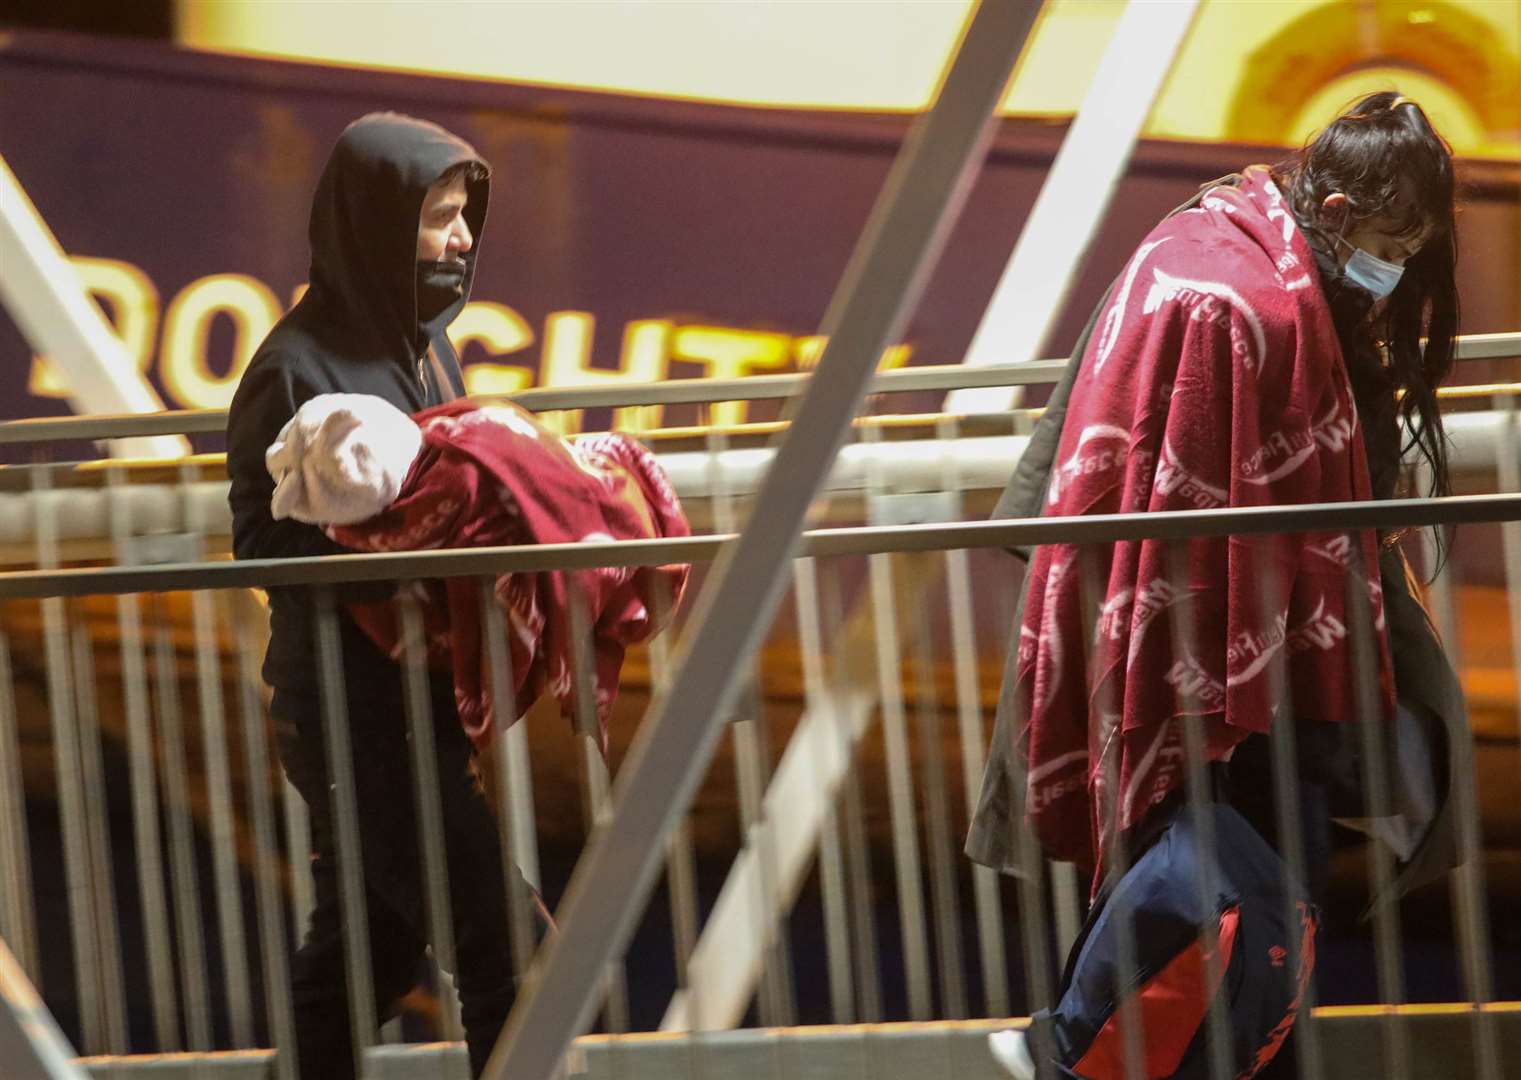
501,330
731,354
131,304
184,366
809,349
567,362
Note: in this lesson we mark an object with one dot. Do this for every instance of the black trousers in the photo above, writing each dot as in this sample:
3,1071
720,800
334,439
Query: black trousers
393,877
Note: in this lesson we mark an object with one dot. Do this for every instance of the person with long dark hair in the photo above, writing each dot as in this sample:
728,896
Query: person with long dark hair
1277,340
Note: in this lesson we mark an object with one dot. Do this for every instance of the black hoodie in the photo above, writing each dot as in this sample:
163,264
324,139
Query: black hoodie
355,331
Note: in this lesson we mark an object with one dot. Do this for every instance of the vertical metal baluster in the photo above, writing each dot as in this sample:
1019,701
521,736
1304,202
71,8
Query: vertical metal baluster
857,844
1466,881
596,784
1388,959
147,839
1470,897
182,869
111,977
277,985
681,866
775,1000
1439,589
832,885
223,827
937,816
345,814
1108,712
1282,739
514,783
430,811
900,781
958,579
18,918
1471,910
70,779
1508,473
1197,788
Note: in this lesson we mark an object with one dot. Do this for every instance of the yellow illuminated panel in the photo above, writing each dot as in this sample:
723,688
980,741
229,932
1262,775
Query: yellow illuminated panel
887,54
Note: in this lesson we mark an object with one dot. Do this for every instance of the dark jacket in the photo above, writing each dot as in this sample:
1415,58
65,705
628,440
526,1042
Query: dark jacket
355,331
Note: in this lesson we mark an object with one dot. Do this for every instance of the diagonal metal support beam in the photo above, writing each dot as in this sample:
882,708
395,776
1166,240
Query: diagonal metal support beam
882,284
31,1046
1074,199
43,294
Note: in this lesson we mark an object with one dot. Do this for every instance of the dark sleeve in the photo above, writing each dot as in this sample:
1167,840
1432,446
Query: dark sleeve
267,397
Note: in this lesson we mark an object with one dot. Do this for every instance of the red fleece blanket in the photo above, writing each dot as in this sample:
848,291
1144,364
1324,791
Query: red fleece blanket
491,475
1214,378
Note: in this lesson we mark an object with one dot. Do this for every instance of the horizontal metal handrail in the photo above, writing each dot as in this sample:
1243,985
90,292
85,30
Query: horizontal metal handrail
551,399
671,392
863,540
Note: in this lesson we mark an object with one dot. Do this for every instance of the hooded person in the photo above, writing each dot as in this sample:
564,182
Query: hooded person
393,227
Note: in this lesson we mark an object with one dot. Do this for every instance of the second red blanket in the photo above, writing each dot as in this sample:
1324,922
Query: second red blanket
492,475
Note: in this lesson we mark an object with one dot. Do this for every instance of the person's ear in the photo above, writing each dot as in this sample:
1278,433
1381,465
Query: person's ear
1333,212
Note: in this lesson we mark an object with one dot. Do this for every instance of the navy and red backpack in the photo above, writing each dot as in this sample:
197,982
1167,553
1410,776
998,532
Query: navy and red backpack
1266,956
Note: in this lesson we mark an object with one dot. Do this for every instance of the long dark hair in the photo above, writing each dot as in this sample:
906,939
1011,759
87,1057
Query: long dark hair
1384,155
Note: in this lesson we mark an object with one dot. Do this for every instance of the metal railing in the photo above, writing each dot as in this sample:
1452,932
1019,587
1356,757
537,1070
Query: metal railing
841,740
918,379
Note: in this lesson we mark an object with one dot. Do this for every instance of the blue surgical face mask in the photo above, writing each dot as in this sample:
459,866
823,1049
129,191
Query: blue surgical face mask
1370,272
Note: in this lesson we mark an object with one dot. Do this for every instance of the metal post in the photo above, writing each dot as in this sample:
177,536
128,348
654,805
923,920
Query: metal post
272,940
596,784
775,1002
344,811
900,782
1289,818
430,810
846,675
70,780
189,932
148,841
1362,642
110,977
805,592
927,186
958,579
1106,710
224,855
1191,711
18,919
943,851
514,784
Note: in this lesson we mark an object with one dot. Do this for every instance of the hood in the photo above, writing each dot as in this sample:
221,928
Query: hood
364,226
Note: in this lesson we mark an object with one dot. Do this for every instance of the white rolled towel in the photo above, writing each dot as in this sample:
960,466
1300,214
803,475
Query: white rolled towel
341,459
